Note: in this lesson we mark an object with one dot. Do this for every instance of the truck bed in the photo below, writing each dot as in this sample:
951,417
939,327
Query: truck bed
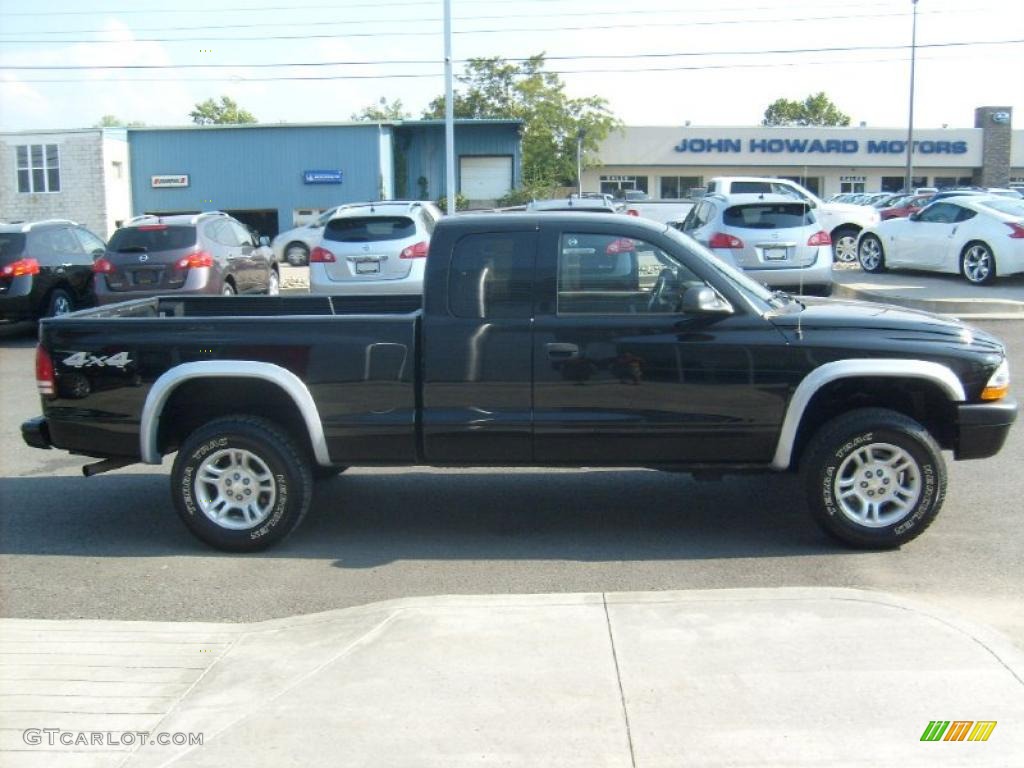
257,306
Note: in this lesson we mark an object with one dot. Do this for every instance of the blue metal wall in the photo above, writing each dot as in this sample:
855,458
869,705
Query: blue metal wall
422,145
254,168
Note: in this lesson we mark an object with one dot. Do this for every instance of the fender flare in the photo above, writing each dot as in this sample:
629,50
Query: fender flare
287,381
844,369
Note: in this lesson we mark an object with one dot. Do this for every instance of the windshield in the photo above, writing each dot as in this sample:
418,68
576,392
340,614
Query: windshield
733,275
370,229
768,216
152,238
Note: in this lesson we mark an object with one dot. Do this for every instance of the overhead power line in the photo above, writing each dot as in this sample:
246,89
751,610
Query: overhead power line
582,57
501,30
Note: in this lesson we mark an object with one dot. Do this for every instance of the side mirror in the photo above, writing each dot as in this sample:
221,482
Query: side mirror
701,300
264,240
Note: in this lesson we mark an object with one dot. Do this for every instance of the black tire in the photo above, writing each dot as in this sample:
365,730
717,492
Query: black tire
871,254
844,245
296,254
59,303
326,473
974,270
288,468
862,432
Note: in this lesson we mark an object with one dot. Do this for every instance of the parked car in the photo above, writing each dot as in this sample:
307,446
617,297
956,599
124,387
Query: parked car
775,239
1014,194
661,211
586,204
46,268
536,345
374,248
904,206
886,200
842,221
979,237
295,245
199,253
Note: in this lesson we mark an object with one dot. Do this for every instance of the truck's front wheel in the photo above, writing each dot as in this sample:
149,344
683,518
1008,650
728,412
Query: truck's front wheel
241,484
875,478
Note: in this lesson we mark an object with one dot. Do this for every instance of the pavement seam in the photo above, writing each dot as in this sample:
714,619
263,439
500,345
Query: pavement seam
305,676
618,679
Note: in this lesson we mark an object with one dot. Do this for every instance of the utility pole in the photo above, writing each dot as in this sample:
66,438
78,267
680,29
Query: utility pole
908,181
449,110
580,135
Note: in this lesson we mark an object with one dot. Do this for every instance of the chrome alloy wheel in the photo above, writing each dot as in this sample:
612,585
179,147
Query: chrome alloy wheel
846,248
977,263
870,254
235,489
61,306
877,485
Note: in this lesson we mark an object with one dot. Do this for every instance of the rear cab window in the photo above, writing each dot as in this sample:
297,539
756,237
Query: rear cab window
768,216
369,229
491,276
152,238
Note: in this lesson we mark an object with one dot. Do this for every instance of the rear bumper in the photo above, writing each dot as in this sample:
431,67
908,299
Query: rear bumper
36,433
983,427
199,282
321,284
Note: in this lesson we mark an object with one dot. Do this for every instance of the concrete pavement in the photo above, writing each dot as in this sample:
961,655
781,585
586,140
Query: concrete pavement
747,677
931,292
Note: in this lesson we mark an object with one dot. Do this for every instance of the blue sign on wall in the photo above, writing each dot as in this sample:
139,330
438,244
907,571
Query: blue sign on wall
322,177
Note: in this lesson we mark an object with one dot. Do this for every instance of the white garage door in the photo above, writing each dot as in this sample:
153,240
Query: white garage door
486,178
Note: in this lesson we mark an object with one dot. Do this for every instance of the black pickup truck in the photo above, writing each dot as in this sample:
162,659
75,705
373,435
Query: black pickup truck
555,340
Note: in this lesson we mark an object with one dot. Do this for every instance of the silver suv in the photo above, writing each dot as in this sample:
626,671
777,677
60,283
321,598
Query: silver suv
203,253
374,248
774,238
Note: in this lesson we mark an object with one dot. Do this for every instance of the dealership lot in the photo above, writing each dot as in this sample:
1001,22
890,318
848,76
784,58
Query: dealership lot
111,547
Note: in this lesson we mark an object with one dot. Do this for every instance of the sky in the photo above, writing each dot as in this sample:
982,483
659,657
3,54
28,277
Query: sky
662,62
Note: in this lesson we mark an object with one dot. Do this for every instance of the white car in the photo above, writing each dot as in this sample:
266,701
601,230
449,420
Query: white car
842,221
295,245
976,236
775,239
374,248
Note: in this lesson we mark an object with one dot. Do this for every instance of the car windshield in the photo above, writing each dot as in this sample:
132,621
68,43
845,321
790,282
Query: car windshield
733,275
11,246
152,238
768,216
369,229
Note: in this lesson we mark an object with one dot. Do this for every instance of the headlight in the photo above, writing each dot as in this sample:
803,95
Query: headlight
998,385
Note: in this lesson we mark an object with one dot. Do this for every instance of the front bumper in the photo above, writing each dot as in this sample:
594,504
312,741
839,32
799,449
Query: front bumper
983,427
36,433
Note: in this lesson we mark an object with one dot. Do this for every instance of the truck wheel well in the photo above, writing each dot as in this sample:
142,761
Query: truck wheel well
198,401
843,228
920,399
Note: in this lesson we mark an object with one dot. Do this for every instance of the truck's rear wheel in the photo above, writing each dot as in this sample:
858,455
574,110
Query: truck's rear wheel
875,478
240,484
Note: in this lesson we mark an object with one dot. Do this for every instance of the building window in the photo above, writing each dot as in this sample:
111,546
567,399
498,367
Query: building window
38,168
118,169
895,183
619,185
679,187
852,183
810,183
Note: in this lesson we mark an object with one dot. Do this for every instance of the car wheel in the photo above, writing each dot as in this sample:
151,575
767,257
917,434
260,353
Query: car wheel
875,478
297,254
273,283
844,245
326,473
977,264
227,290
871,254
59,303
240,484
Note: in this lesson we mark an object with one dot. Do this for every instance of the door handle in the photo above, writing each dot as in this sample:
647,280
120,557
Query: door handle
562,351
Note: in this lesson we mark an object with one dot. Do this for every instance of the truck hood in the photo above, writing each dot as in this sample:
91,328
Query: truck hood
884,323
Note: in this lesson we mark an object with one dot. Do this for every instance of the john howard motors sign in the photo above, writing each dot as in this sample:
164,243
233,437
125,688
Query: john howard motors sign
805,146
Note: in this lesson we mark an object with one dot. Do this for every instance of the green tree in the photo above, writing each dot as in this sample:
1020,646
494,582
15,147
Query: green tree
382,111
496,88
111,121
816,109
227,112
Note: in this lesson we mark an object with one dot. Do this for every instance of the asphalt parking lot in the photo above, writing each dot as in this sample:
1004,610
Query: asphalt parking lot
111,547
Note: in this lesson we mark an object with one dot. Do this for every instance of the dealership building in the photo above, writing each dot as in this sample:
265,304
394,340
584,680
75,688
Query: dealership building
672,162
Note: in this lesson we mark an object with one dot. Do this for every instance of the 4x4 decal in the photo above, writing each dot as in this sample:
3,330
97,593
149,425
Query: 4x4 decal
86,360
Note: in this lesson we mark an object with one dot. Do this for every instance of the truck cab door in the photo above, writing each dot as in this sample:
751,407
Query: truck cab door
477,348
622,376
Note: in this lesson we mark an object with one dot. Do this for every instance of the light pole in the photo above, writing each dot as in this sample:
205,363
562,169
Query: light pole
449,111
910,122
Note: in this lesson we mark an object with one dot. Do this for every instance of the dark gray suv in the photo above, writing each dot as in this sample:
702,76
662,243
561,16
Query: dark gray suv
204,253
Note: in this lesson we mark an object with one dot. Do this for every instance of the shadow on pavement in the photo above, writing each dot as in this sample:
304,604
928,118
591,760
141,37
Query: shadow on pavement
364,520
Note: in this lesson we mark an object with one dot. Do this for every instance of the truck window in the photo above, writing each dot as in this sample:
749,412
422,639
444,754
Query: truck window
491,276
609,275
